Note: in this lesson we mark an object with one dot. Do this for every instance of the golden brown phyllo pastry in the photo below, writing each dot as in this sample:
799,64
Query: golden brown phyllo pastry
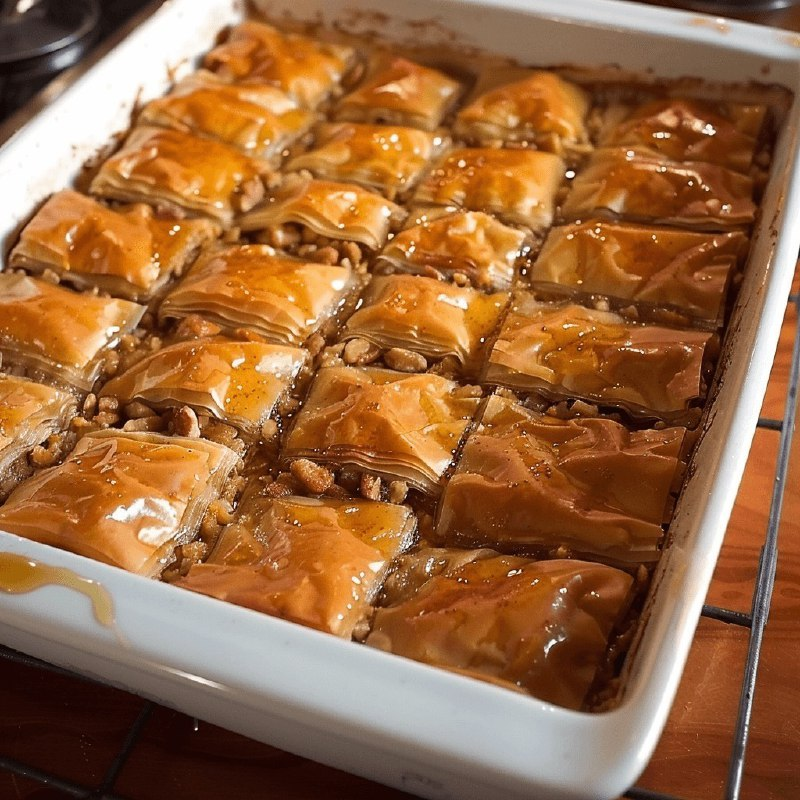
308,71
565,350
529,482
79,332
128,252
689,130
280,298
541,627
182,172
257,119
127,499
469,243
400,92
621,183
427,316
238,382
315,562
388,159
540,109
334,210
405,427
519,186
29,413
657,267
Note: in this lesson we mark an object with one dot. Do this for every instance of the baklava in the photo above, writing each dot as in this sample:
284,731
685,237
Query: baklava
65,335
531,482
540,627
128,252
402,427
280,298
564,350
318,562
127,499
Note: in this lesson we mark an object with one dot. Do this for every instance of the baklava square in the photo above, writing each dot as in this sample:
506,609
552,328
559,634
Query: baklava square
664,268
387,159
404,427
621,183
339,211
182,172
308,70
528,482
127,499
564,350
519,186
684,129
128,252
400,92
59,332
238,382
468,246
257,119
539,627
253,287
29,413
317,562
540,109
428,317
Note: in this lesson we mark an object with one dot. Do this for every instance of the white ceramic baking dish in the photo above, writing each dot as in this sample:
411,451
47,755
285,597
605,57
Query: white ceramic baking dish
420,729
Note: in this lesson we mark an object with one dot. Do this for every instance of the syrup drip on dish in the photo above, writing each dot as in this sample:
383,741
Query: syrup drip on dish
20,575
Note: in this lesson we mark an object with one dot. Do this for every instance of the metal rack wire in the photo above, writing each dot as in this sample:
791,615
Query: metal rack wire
755,622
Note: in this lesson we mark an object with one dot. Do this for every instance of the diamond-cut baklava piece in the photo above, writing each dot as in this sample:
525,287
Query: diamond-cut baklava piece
689,130
527,481
388,159
251,286
519,186
29,413
468,243
64,334
179,170
542,110
307,70
401,92
236,381
257,119
623,183
427,316
564,350
333,210
127,252
315,562
127,499
661,267
540,627
405,427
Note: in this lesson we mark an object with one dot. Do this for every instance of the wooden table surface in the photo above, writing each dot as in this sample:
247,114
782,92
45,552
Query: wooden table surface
74,729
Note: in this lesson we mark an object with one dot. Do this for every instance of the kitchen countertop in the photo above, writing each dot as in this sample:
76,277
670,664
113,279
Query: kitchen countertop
111,743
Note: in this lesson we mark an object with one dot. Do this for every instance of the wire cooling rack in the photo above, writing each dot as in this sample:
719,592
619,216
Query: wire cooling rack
754,622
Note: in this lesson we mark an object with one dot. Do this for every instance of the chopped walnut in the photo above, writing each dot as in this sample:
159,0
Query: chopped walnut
358,352
460,279
370,486
153,424
109,403
195,327
184,423
398,490
105,419
252,193
315,478
277,489
325,255
405,360
90,404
